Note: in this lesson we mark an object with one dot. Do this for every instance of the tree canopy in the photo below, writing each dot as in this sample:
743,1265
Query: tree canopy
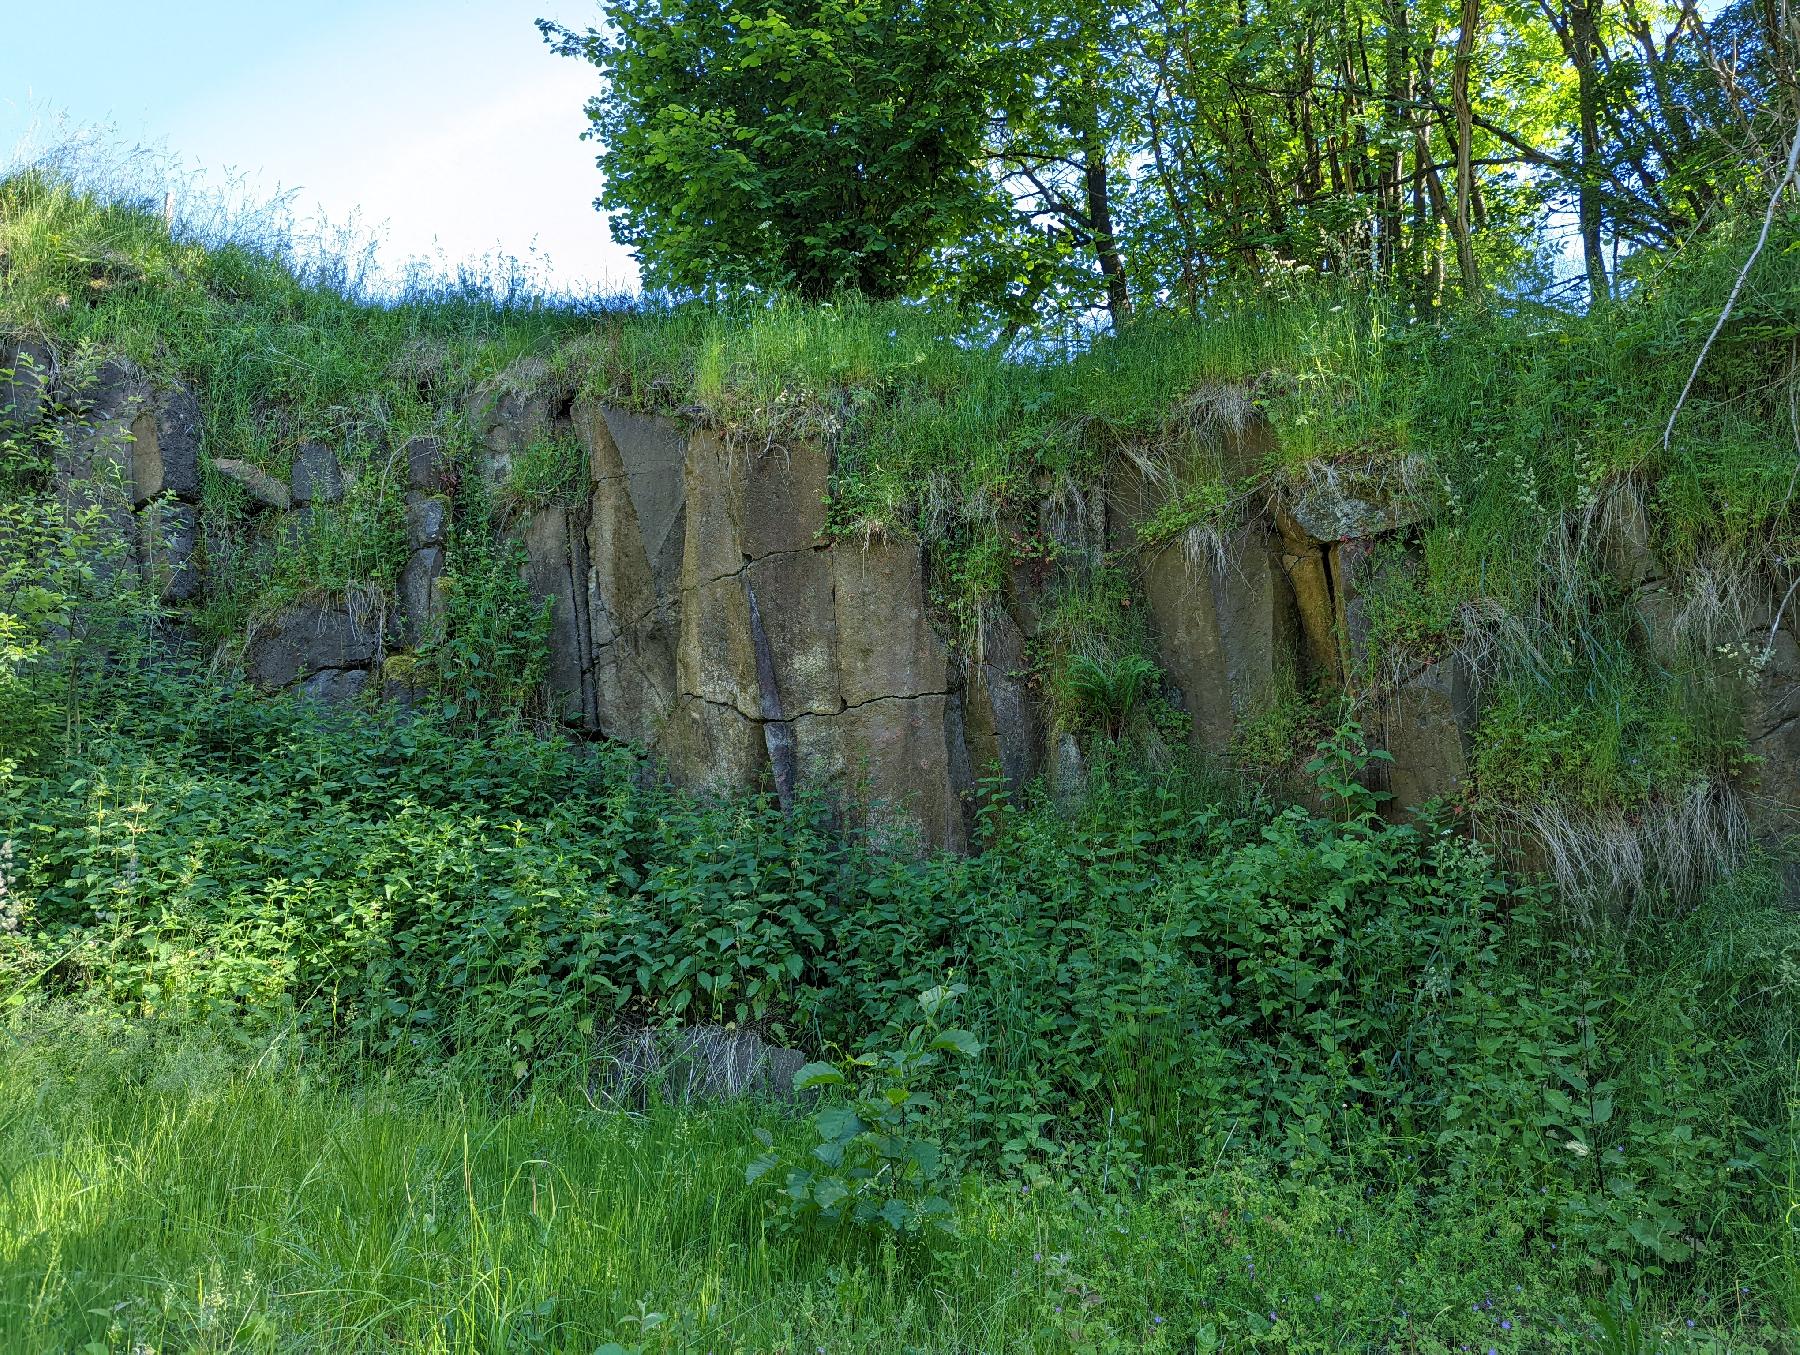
827,145
1044,157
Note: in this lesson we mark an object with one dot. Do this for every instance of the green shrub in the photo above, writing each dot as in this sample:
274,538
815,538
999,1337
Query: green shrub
879,1159
1156,977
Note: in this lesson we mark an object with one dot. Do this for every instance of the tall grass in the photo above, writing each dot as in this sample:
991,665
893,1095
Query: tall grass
206,1192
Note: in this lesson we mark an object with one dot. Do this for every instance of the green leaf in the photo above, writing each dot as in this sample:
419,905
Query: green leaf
817,1075
961,1041
838,1123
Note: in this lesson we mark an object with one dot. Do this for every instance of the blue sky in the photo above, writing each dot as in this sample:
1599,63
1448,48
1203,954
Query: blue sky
448,122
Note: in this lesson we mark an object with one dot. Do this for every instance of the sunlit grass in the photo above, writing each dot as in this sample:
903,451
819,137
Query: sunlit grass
212,1192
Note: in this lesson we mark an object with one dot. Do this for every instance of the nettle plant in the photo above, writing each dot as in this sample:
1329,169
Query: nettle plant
876,1162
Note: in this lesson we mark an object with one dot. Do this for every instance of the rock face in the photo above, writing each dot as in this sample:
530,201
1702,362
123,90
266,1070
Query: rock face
697,608
317,477
27,369
324,648
1425,724
427,539
700,608
1772,730
129,454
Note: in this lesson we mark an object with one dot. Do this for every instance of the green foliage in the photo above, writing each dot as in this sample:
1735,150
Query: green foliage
1270,737
878,1161
815,147
1105,693
1594,757
1151,980
75,617
548,471
1340,766
486,652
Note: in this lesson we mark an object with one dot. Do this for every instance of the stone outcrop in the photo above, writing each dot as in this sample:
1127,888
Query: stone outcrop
699,606
327,649
317,476
27,368
511,414
1771,646
264,489
128,460
1329,502
427,540
1425,724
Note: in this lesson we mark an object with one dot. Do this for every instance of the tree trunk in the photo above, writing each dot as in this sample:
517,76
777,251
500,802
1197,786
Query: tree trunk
1106,247
1584,38
1465,135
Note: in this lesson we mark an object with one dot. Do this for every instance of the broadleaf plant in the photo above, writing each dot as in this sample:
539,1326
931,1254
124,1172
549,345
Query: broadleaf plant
876,1162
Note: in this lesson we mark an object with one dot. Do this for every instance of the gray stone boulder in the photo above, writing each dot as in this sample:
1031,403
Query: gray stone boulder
427,468
1221,609
1426,725
94,461
27,369
427,519
308,640
1334,502
1002,722
421,578
165,446
263,488
421,594
555,568
168,539
636,540
1772,731
335,686
512,412
694,1063
149,432
317,477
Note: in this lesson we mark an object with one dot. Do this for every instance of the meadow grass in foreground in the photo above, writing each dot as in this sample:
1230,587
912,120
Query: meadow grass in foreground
204,1191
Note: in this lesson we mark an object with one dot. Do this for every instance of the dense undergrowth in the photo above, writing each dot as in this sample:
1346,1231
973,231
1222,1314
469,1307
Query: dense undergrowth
1188,1004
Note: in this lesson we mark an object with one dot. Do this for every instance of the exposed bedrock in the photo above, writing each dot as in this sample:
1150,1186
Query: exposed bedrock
127,455
700,608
